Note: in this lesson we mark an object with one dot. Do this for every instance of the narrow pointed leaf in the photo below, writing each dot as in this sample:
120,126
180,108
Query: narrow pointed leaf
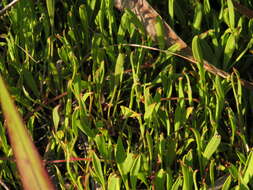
30,166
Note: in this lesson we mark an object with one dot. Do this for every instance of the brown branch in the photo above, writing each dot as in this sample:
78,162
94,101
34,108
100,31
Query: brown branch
148,16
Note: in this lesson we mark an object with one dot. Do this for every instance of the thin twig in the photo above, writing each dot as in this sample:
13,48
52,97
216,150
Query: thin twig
8,7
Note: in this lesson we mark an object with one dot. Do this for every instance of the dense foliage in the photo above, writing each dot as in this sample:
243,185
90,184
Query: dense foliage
122,117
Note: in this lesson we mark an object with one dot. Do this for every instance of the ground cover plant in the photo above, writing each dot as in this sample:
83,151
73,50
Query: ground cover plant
108,107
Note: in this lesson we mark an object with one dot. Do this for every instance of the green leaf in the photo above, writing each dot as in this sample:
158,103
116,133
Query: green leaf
122,28
30,82
160,179
114,182
136,165
231,14
74,64
159,27
195,179
134,19
227,183
120,153
248,171
169,179
207,7
56,117
232,121
150,144
121,157
149,110
98,169
229,50
241,157
180,117
212,146
51,11
187,174
119,69
101,145
84,126
198,15
177,184
198,140
128,112
135,171
211,172
196,49
171,9
85,23
128,163
233,171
